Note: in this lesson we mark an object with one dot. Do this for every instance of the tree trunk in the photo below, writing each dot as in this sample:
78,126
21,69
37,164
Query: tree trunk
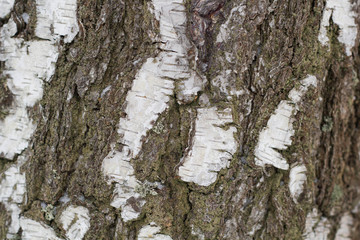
174,119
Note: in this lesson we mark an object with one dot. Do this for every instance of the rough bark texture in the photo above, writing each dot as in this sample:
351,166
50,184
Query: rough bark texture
250,55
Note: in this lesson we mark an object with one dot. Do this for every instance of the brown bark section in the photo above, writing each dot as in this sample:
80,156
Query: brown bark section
274,46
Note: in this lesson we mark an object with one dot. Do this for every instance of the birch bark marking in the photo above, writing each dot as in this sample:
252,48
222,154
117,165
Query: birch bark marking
316,227
12,190
297,179
76,221
151,232
6,6
148,98
35,230
345,227
212,147
342,14
279,130
27,65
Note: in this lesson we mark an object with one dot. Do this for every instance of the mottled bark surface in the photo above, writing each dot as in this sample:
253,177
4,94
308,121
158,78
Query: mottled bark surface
250,54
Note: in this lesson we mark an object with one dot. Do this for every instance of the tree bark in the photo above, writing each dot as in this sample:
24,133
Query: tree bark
174,119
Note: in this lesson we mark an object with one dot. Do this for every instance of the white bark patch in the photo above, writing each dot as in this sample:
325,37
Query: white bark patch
5,7
297,180
151,231
12,190
120,171
279,130
28,64
75,220
148,98
224,33
316,227
345,228
12,187
343,15
212,148
56,18
33,230
128,213
64,198
175,65
197,232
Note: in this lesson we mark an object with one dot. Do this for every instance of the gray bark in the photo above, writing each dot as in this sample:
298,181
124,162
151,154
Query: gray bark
249,59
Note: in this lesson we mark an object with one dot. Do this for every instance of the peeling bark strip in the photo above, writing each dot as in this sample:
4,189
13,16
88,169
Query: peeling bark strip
212,147
341,12
279,129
